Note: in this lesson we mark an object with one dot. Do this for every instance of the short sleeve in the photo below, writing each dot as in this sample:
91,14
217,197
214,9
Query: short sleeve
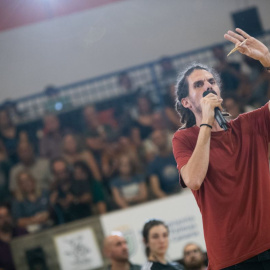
182,151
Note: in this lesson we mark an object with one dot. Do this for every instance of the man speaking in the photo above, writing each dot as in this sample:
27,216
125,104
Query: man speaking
226,168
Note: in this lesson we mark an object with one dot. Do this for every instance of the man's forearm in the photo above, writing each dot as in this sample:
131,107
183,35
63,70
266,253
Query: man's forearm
194,172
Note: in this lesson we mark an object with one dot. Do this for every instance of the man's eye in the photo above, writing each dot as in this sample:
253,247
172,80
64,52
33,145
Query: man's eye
199,84
212,81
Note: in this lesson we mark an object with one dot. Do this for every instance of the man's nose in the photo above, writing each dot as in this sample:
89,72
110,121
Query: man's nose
207,85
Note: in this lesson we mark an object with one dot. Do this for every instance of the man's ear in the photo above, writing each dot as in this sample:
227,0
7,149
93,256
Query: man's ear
185,103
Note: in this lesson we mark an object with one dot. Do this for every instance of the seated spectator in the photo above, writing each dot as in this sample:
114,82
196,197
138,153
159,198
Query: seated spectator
4,174
10,136
128,188
194,258
61,197
75,196
126,144
72,153
96,134
158,123
116,250
170,112
50,143
143,114
162,171
38,167
8,231
30,208
87,192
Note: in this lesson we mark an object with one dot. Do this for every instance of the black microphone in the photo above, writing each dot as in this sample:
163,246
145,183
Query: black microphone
218,115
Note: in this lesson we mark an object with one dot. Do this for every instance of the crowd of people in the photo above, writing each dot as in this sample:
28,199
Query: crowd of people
155,235
114,158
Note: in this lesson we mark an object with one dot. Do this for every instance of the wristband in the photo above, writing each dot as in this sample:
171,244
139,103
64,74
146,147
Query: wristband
206,125
268,68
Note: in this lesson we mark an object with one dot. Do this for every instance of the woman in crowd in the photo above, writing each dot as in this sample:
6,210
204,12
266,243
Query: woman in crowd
88,195
156,239
128,187
73,153
31,205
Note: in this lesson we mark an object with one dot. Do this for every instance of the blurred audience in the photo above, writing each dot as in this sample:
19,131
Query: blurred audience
96,133
8,231
39,167
75,194
233,105
50,142
61,197
230,72
31,206
158,123
73,152
4,174
128,187
259,83
143,114
162,171
10,136
115,249
194,259
88,193
168,72
169,108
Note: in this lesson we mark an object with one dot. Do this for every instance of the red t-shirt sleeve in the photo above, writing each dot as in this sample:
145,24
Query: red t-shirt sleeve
182,151
257,121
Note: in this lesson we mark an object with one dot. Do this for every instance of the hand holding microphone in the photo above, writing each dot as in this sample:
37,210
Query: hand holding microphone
218,115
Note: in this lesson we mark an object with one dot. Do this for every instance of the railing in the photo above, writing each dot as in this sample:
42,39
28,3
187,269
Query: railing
147,76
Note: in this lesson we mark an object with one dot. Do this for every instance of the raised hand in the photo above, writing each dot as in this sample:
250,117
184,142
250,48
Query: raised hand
252,47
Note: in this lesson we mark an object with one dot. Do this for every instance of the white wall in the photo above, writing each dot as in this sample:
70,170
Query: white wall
110,38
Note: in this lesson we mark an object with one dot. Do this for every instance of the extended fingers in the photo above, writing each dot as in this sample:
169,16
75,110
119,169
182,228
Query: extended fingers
243,33
236,36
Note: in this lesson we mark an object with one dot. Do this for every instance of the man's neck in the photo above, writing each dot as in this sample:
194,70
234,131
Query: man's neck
120,265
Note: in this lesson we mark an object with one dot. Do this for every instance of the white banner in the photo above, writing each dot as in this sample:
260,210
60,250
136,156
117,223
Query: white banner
78,250
179,211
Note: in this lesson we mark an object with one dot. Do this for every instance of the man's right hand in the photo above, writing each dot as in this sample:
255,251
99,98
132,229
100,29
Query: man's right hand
208,105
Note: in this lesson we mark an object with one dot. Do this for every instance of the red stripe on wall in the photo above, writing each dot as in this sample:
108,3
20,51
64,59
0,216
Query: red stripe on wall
16,13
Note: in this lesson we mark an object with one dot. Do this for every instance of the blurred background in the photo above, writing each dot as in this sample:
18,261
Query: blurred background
87,117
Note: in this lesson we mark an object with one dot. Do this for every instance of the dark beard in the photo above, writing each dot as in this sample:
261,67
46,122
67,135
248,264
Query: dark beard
195,265
7,227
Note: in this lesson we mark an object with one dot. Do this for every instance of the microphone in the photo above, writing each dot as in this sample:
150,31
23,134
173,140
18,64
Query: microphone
218,115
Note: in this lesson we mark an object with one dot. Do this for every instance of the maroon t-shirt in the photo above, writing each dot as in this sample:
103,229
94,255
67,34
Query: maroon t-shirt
234,198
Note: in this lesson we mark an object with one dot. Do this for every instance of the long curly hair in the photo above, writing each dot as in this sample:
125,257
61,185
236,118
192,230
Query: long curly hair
187,118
